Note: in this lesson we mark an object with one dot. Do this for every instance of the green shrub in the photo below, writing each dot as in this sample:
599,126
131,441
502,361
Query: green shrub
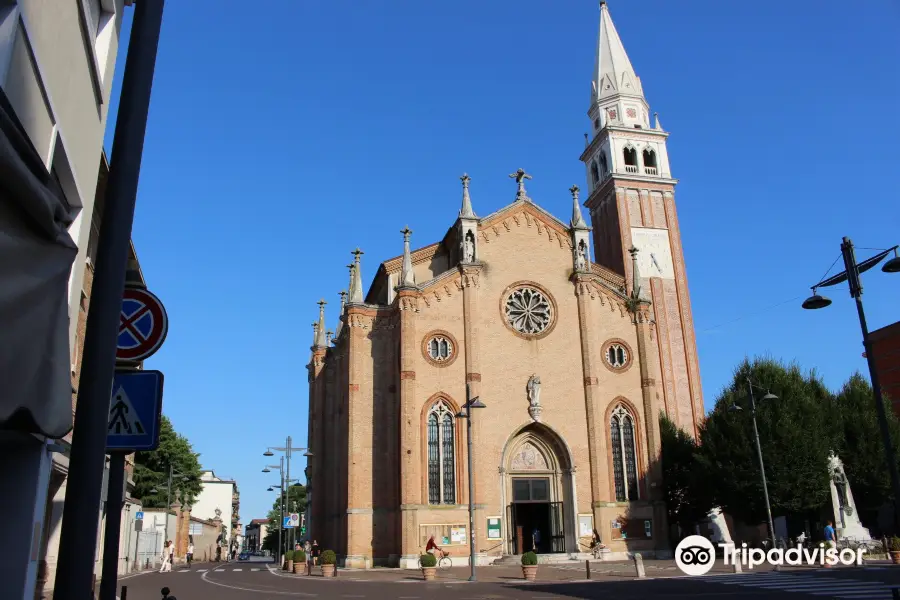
299,556
895,544
327,558
529,559
289,556
428,560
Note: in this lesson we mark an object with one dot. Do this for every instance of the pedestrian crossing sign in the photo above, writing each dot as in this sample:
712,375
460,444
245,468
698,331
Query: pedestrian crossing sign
135,410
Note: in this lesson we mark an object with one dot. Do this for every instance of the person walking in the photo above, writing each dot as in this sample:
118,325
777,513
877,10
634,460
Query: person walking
315,552
166,558
307,547
830,538
190,554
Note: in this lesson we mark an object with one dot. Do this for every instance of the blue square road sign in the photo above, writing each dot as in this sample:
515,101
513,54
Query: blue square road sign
135,410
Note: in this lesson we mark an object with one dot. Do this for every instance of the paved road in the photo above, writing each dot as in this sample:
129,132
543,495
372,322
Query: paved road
259,582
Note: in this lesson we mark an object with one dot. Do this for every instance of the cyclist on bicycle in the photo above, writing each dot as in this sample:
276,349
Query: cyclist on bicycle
433,548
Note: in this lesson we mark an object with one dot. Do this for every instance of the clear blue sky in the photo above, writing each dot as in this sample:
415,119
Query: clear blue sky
280,139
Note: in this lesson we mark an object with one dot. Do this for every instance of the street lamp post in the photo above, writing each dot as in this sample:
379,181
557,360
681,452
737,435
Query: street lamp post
852,271
467,415
288,450
182,477
762,466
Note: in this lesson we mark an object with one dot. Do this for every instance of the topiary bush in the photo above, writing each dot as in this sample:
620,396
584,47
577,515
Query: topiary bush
328,558
428,560
529,559
895,544
299,556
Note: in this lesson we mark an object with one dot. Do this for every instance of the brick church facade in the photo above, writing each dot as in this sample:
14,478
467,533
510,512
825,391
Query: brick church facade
574,356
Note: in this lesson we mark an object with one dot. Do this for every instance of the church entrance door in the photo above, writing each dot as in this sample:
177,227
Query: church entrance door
538,492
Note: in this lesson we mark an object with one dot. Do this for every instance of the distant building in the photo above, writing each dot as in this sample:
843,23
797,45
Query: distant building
886,352
256,533
222,495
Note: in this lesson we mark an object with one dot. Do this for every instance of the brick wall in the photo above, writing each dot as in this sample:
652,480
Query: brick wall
886,352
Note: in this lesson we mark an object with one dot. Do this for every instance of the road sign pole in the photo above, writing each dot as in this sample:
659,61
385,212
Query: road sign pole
78,537
114,499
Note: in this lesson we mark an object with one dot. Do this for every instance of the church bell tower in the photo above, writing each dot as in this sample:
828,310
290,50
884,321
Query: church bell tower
631,199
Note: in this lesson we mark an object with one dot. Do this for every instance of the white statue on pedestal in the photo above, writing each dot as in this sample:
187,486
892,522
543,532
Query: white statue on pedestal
846,518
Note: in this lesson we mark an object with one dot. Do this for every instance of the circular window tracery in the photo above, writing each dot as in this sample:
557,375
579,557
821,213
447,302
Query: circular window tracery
439,348
528,311
616,355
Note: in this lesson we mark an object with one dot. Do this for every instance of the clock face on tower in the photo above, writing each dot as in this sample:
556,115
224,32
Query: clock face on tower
655,253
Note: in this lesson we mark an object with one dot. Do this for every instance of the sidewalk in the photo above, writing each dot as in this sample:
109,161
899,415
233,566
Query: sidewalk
555,572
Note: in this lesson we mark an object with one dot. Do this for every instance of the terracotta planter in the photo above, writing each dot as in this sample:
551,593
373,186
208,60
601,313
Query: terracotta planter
895,557
327,570
529,572
428,573
288,565
297,567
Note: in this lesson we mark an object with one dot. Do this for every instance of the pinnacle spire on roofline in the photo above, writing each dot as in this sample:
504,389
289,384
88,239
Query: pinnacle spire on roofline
466,211
340,324
577,220
635,275
356,292
613,73
407,277
321,341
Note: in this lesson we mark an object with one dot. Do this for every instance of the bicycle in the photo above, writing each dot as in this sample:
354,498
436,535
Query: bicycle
443,562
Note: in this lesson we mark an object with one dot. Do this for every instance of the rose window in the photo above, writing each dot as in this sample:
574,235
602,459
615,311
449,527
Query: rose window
617,356
528,311
440,348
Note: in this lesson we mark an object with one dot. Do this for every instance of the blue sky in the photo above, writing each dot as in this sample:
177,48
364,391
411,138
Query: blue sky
280,140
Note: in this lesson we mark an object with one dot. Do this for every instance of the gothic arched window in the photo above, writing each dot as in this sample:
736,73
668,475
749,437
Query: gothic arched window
604,166
441,455
624,454
630,156
650,161
595,174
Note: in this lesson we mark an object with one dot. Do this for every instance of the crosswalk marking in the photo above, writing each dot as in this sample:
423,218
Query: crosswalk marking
812,585
254,569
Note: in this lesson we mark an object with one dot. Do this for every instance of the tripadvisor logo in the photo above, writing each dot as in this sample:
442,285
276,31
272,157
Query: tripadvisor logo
696,555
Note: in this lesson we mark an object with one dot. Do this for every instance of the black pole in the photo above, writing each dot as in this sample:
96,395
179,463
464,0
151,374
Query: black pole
471,485
856,292
115,491
762,466
74,575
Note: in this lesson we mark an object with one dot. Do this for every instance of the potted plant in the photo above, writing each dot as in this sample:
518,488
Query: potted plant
289,561
327,560
299,560
529,566
429,562
895,550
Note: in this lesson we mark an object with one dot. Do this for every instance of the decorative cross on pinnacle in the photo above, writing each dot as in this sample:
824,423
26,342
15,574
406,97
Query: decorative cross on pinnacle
465,180
574,190
343,293
406,231
356,253
321,303
520,176
316,326
633,251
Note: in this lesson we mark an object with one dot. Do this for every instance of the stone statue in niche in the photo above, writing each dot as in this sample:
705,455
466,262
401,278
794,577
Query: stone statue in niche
581,257
534,398
469,248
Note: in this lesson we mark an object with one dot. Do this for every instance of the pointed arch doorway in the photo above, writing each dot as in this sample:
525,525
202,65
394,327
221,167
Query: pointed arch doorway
538,491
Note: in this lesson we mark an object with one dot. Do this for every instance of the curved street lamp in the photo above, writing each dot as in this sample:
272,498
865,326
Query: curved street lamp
851,273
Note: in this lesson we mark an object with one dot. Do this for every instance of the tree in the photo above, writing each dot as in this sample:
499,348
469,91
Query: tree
796,434
685,482
861,449
295,503
151,469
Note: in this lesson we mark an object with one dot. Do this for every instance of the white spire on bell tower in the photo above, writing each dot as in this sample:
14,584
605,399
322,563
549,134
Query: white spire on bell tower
613,73
620,117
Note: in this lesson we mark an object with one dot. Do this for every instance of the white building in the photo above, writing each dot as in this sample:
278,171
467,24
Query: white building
221,495
57,61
